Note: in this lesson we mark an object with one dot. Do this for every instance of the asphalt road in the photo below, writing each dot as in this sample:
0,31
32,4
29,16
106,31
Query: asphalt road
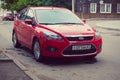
106,66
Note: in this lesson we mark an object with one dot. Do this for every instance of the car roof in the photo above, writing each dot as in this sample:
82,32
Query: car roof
48,7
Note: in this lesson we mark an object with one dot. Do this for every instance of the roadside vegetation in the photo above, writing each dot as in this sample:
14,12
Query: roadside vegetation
17,5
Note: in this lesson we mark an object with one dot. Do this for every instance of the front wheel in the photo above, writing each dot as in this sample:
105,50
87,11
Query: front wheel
36,50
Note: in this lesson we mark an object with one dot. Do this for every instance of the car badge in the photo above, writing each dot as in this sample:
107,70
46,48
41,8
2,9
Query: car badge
81,38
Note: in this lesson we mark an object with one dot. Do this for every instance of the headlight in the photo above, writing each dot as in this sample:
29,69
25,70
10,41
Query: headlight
52,35
97,35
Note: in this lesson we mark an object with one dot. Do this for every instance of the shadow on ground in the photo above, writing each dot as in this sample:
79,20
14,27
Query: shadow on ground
69,61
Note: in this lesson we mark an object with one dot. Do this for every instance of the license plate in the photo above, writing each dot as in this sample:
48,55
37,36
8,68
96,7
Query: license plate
81,47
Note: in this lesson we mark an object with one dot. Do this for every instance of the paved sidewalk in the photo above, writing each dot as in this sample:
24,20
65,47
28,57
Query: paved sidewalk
113,24
9,70
109,24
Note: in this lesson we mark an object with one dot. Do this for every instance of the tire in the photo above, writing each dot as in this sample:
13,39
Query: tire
16,44
36,51
4,19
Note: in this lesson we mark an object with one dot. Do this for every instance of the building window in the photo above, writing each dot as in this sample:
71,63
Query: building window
118,8
105,8
93,7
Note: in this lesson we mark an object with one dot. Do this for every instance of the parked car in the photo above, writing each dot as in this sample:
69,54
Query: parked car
55,32
8,17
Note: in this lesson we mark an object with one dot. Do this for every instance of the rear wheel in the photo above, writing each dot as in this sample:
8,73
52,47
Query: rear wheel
16,44
4,19
37,51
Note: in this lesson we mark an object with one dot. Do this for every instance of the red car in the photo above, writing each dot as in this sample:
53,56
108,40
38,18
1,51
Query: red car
55,32
8,17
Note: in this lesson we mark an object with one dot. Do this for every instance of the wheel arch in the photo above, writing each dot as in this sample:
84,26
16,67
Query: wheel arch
34,38
15,40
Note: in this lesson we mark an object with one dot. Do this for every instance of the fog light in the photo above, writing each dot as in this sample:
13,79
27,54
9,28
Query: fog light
51,49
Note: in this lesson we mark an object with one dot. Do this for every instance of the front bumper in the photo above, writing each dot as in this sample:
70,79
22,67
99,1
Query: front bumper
61,49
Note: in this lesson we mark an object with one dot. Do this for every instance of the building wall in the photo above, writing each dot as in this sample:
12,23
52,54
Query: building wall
82,9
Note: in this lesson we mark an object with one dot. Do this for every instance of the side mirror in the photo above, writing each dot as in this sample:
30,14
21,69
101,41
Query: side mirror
28,21
84,20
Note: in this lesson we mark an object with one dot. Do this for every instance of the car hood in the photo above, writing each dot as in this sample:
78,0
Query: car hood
70,29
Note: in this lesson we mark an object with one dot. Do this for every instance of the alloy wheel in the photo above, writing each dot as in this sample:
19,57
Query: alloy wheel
36,51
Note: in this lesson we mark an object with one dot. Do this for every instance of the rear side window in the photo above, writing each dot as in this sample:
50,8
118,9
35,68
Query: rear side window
22,15
29,15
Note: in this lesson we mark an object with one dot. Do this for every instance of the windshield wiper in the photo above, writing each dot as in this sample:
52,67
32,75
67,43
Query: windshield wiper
68,23
59,23
47,23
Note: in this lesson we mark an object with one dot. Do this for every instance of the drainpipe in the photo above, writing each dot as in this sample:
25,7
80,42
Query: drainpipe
73,6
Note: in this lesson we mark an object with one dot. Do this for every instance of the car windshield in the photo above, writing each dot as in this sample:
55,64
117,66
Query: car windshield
53,16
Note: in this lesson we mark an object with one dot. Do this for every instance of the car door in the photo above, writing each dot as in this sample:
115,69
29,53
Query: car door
28,29
19,25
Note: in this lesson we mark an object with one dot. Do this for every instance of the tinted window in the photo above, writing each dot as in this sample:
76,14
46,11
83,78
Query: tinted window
29,15
57,16
22,15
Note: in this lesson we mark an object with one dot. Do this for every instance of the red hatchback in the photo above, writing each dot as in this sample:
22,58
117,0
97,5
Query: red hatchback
8,17
55,32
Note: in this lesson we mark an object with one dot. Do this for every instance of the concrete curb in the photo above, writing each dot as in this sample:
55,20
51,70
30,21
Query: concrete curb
22,67
6,60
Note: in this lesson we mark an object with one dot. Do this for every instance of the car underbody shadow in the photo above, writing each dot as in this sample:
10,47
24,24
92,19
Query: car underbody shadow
69,61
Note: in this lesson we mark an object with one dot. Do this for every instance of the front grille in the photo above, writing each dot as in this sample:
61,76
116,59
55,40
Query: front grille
80,38
69,51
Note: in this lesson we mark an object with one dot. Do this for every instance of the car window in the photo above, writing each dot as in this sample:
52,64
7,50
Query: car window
29,15
53,16
22,15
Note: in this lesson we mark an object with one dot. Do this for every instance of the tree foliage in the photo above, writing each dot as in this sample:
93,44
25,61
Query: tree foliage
17,5
9,4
